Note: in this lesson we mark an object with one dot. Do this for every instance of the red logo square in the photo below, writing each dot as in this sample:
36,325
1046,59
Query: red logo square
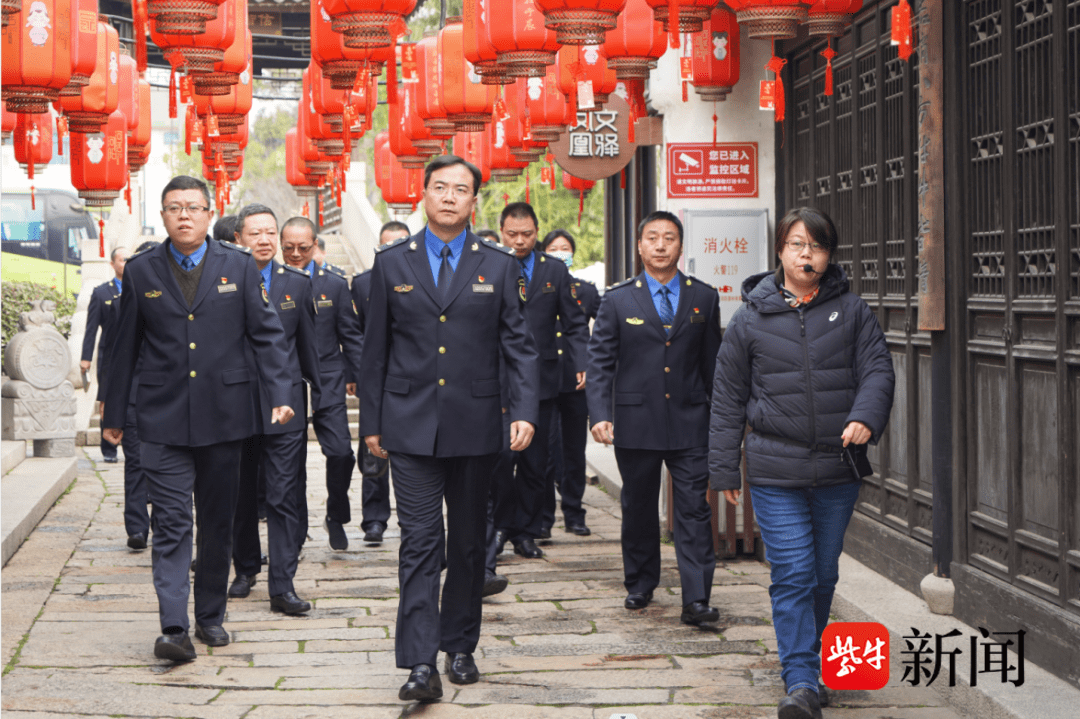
855,655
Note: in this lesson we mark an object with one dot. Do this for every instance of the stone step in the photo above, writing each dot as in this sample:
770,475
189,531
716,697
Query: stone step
88,437
95,420
29,490
14,452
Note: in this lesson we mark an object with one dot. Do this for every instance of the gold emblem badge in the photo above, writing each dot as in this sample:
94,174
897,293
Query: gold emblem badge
154,294
634,321
403,288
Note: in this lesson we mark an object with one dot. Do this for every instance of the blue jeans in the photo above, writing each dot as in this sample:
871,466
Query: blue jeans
803,530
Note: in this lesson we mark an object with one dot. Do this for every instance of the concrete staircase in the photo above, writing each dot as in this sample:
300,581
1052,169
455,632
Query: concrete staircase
30,486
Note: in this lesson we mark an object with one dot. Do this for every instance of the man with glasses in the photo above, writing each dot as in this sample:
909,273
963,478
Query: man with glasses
191,306
430,400
337,332
375,493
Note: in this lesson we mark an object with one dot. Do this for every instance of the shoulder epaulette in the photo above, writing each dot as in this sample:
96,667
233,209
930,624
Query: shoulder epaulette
579,282
617,285
297,270
358,274
234,246
139,254
331,273
496,246
699,281
334,269
395,243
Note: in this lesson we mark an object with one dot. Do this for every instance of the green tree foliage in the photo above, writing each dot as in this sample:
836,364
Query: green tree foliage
263,180
16,299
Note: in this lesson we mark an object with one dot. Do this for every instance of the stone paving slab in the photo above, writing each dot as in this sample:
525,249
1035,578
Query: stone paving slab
557,644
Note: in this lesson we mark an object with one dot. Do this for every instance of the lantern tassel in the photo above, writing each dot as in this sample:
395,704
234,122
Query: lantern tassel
33,198
581,205
526,185
140,12
776,64
673,21
685,89
714,118
506,199
901,32
127,194
61,133
306,210
391,82
631,135
172,94
828,53
622,179
101,236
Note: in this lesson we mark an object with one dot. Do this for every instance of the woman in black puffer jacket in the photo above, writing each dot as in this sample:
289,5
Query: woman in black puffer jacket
805,364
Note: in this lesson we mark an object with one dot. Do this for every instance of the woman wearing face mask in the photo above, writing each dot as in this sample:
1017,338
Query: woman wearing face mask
569,430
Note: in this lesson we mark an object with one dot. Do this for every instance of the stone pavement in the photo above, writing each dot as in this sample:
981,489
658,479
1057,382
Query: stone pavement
80,619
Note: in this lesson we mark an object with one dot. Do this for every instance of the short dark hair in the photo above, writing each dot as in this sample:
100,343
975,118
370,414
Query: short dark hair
394,226
148,245
519,210
304,222
489,234
659,215
186,182
253,209
819,225
556,234
112,255
320,242
449,161
225,229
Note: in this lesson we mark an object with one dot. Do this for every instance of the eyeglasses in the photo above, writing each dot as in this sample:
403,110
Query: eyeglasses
297,249
460,192
193,210
800,246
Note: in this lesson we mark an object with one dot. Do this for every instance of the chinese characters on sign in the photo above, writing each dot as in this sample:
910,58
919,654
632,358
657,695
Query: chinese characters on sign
597,145
702,169
855,655
723,248
594,134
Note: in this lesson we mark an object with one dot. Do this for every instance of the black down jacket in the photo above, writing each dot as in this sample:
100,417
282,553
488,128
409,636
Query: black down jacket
801,375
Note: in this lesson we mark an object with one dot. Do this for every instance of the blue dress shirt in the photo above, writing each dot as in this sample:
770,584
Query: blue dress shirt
654,291
118,284
434,249
266,272
310,268
527,263
195,256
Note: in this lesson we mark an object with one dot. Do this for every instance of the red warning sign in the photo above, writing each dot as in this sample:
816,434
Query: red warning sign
702,169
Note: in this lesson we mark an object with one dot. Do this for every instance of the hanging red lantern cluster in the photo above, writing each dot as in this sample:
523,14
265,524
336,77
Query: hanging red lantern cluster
412,125
636,43
339,61
401,187
477,45
716,55
831,17
197,51
523,147
226,72
139,138
32,138
84,44
429,90
36,56
90,108
580,22
99,167
369,23
691,14
504,167
524,47
546,106
771,19
584,73
180,17
474,147
468,102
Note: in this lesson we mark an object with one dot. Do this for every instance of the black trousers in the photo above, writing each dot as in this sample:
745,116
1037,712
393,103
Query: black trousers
421,484
332,429
279,457
375,490
173,475
640,470
136,516
519,497
566,458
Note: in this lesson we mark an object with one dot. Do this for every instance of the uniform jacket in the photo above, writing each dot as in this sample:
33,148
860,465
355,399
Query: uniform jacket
430,366
103,310
587,298
797,375
340,342
548,302
290,298
652,385
361,292
195,382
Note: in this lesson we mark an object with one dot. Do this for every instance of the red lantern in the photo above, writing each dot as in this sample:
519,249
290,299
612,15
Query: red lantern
429,90
320,127
129,91
716,56
84,29
830,17
503,165
580,22
182,17
477,43
9,8
196,51
317,161
523,146
231,109
99,168
401,187
413,125
468,102
523,45
407,152
233,173
549,112
226,73
776,19
295,168
90,109
33,141
636,43
139,138
37,56
340,62
691,14
474,147
584,67
369,23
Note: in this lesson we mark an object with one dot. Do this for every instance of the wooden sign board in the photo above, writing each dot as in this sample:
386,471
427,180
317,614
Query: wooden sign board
597,146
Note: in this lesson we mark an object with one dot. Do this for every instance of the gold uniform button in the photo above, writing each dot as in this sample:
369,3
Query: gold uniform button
442,318
667,369
667,396
192,373
442,382
667,344
558,334
560,351
192,345
442,350
191,317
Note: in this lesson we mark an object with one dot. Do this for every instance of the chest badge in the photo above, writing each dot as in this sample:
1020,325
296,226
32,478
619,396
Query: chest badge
697,317
153,294
323,302
634,321
548,288
403,288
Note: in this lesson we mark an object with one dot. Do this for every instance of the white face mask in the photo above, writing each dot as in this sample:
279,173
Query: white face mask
567,257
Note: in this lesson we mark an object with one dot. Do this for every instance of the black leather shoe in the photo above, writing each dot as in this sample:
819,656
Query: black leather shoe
241,586
289,603
493,584
579,529
500,541
175,648
528,549
545,533
374,533
264,559
802,703
637,601
338,540
111,460
423,685
212,636
137,541
824,699
461,669
696,613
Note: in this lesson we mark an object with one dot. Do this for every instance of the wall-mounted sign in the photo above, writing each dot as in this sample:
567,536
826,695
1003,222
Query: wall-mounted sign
597,145
702,169
723,248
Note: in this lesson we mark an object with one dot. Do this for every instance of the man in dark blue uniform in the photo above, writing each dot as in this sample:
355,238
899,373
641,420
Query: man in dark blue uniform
319,256
570,425
191,306
375,491
340,344
102,312
276,448
430,399
544,287
651,361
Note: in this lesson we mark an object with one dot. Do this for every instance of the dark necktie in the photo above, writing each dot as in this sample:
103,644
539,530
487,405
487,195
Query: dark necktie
446,272
667,312
188,264
523,279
